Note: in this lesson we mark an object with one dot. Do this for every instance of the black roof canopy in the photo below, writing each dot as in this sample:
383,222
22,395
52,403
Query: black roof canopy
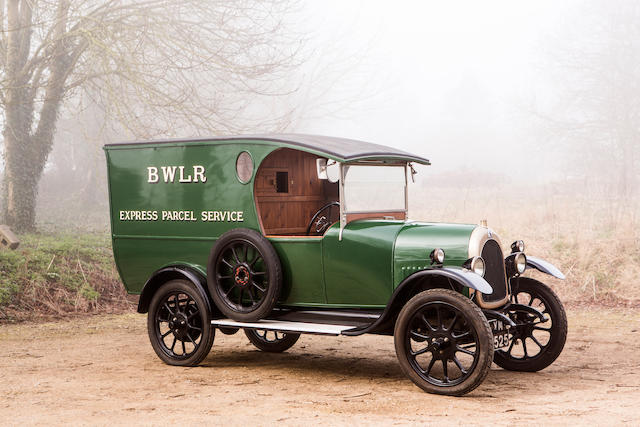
341,149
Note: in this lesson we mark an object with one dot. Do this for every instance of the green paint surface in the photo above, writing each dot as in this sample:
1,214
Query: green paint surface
417,239
360,270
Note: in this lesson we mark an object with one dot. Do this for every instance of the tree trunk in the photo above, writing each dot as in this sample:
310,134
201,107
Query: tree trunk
26,149
20,184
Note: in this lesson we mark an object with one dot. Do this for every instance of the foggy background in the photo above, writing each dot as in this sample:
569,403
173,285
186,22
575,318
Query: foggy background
516,105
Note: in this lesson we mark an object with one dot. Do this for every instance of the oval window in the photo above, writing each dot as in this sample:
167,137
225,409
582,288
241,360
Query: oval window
244,167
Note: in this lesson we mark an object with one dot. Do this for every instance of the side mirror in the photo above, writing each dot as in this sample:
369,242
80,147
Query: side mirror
328,169
321,168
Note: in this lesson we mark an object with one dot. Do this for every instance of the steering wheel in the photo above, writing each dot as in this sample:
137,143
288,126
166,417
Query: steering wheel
320,222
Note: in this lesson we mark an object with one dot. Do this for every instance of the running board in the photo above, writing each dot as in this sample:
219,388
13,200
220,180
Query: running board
285,326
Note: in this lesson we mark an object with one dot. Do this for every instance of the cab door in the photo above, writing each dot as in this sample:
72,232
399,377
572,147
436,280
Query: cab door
358,270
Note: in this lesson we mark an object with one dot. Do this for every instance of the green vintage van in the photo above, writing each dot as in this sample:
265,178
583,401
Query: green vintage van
281,235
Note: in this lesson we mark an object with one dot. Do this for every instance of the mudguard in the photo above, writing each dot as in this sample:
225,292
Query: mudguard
461,275
544,266
170,273
467,277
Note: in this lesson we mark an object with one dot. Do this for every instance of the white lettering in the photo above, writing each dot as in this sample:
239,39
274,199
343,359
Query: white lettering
169,173
222,216
138,215
153,174
198,171
180,216
182,178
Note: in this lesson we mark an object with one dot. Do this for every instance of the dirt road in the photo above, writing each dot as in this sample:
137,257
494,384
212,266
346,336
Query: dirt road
102,370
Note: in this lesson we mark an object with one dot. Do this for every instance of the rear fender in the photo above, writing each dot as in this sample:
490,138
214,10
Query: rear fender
166,274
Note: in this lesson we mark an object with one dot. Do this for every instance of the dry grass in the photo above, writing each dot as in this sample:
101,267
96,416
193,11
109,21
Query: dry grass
60,275
594,240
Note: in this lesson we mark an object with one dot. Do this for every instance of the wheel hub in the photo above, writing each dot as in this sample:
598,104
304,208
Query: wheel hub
524,325
179,325
241,275
443,346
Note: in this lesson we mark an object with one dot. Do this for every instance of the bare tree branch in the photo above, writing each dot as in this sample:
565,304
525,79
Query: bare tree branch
155,67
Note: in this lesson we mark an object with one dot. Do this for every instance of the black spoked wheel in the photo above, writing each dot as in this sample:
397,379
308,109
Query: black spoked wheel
443,342
179,324
244,275
536,343
271,341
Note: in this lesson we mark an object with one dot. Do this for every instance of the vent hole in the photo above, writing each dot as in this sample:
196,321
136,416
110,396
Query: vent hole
282,182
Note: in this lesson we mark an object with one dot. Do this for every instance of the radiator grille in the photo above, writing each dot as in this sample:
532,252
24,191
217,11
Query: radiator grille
494,271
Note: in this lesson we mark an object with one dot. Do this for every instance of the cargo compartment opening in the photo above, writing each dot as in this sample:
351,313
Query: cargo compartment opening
288,192
282,182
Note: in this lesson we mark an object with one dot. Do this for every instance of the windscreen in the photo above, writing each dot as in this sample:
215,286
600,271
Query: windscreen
374,188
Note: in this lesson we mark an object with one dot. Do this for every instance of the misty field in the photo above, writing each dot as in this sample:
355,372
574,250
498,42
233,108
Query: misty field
68,268
594,240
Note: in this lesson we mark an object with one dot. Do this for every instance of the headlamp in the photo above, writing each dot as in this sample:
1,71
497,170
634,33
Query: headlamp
437,256
517,246
476,264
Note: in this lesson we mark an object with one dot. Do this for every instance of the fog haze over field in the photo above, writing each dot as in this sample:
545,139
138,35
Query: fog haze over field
454,82
528,111
499,95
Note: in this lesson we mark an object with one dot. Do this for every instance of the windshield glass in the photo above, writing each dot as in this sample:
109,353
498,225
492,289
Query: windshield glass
374,188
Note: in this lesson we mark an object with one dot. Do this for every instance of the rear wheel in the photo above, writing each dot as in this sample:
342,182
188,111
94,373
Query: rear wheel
443,342
179,324
271,341
536,344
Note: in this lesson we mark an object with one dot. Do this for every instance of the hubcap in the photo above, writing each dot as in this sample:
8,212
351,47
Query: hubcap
242,276
179,325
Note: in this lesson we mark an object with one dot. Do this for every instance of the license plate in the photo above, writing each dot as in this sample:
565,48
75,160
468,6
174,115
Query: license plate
501,335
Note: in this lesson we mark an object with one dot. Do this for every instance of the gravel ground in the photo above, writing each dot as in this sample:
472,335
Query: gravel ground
102,370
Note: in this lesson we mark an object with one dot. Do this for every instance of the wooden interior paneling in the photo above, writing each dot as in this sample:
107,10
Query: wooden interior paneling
289,213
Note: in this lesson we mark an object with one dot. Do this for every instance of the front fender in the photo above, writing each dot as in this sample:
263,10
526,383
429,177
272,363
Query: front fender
402,293
544,266
466,277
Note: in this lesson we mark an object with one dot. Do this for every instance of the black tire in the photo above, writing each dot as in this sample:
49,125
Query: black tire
271,341
460,327
179,324
244,275
548,338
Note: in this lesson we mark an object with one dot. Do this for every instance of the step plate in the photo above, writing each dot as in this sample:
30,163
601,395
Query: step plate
284,326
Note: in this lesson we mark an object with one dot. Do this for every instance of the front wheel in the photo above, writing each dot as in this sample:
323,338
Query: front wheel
536,344
443,342
271,341
179,324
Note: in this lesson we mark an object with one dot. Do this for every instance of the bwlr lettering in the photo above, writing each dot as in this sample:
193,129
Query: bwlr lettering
169,174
